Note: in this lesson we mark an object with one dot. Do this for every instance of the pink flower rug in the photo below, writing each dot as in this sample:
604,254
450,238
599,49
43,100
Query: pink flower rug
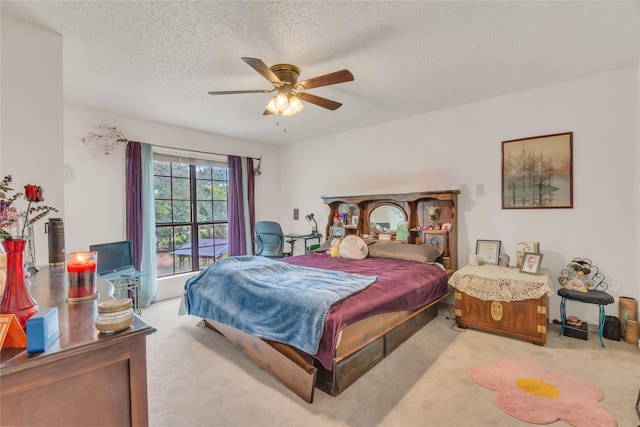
527,391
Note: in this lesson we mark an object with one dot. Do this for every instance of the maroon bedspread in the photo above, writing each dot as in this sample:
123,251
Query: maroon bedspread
402,285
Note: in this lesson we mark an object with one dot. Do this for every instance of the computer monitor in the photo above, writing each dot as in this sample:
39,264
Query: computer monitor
113,256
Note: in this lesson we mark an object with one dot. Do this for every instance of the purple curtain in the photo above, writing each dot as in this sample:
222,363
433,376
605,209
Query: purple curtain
241,208
134,200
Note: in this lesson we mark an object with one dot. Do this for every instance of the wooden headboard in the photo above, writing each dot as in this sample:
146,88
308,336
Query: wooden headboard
416,207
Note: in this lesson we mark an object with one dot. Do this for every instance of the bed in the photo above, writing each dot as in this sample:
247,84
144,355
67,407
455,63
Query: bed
358,330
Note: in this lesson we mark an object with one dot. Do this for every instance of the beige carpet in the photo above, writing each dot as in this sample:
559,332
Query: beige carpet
198,378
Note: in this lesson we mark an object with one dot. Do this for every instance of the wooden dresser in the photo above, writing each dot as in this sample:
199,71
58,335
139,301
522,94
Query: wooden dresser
84,378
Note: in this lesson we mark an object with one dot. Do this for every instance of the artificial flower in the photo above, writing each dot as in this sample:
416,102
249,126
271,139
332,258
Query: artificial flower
33,193
9,216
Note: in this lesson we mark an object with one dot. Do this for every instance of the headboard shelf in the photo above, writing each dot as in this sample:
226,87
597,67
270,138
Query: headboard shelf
398,197
416,206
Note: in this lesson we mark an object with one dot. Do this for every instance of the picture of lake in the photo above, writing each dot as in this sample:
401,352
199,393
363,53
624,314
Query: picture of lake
537,172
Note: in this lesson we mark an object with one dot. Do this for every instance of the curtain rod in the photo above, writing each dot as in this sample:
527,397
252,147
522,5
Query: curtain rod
202,152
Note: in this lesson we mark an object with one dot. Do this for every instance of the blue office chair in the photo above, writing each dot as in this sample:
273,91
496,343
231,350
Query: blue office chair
270,240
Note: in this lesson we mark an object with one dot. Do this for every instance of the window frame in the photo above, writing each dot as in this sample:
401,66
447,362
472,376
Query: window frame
194,224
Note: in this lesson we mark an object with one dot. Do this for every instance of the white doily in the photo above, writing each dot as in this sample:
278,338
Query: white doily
494,283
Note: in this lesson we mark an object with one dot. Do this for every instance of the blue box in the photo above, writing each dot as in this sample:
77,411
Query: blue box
42,330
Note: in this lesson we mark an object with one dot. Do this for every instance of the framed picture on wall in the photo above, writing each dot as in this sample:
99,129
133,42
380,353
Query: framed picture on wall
537,172
488,251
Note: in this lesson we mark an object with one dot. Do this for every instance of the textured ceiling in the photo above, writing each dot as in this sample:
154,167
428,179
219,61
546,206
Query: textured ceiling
157,60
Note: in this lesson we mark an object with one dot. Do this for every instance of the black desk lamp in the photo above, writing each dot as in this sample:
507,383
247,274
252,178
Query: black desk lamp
314,229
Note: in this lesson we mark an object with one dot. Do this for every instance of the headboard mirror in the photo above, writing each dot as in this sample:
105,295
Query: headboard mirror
384,217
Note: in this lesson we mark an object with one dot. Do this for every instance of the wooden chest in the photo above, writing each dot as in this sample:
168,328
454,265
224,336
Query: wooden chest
525,319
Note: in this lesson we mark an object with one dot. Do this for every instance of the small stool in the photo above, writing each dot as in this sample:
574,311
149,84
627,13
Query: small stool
590,297
595,295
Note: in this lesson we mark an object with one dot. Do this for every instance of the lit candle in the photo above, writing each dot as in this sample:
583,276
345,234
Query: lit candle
81,269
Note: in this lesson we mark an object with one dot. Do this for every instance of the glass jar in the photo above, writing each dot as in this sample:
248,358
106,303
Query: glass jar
114,315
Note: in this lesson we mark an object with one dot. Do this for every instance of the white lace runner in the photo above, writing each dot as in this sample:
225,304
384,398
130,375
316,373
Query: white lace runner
494,283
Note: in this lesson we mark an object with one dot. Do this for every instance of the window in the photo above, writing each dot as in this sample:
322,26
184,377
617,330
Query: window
191,213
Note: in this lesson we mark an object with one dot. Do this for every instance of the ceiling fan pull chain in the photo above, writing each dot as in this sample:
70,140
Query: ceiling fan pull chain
284,130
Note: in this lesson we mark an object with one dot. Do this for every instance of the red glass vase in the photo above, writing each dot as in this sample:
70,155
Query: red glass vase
16,298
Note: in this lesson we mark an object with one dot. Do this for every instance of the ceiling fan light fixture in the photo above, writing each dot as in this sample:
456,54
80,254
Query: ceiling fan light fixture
292,112
295,106
271,106
281,101
295,103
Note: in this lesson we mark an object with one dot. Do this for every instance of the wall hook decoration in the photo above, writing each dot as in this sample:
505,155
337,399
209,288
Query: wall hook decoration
109,138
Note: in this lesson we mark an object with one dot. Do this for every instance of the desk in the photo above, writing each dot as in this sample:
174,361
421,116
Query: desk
208,249
84,378
503,300
306,238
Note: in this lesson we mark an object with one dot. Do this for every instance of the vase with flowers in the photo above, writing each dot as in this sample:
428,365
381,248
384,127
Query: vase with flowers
16,298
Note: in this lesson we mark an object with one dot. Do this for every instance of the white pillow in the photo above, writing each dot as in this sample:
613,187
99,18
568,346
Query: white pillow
353,247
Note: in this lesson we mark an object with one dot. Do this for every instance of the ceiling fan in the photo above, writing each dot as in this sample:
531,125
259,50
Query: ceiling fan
284,78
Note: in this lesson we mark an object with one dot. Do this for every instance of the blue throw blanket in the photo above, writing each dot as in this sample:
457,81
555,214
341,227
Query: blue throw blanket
271,299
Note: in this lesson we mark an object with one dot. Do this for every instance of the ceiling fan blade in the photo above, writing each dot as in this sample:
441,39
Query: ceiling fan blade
319,101
326,80
233,92
262,68
266,112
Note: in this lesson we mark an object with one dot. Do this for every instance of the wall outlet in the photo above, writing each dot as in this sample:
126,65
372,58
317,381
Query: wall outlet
479,189
296,213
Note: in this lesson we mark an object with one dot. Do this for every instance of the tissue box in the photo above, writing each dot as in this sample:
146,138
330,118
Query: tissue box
42,330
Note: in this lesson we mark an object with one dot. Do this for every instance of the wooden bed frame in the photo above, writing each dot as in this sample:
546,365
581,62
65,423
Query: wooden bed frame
365,343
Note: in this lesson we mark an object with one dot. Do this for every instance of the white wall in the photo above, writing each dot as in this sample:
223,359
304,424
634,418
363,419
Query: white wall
31,135
461,147
95,194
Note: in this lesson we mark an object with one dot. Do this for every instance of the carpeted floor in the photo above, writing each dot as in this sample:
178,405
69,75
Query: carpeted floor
196,377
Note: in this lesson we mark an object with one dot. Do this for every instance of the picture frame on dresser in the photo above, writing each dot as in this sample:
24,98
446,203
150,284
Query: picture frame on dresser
531,263
537,172
488,251
337,232
525,246
434,239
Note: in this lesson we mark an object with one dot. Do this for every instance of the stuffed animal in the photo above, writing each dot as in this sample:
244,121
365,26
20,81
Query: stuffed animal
335,247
